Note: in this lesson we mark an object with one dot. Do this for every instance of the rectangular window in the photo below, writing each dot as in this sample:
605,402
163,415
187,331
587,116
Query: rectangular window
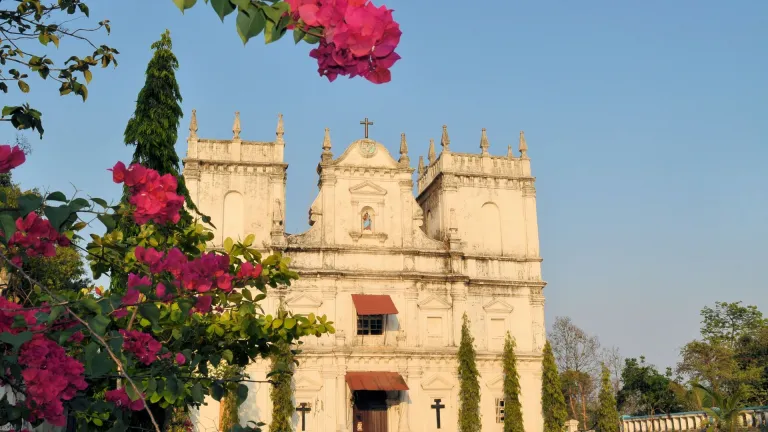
435,331
370,324
499,410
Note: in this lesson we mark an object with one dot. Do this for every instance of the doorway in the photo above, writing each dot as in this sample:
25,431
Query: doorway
369,413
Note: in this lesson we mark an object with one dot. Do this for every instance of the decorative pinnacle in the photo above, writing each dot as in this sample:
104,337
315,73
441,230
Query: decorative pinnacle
193,125
280,127
327,155
404,159
523,146
327,140
484,142
421,165
236,127
510,155
445,142
431,156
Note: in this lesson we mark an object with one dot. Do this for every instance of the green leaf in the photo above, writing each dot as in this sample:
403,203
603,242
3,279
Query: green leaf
108,221
8,225
197,393
290,323
150,311
222,8
217,391
184,4
99,324
24,87
228,244
57,196
16,339
98,364
250,24
249,240
28,203
227,355
100,202
79,203
298,34
277,323
56,312
58,215
91,304
242,393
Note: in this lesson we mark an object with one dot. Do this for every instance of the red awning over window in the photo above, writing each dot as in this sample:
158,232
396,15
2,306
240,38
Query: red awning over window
386,381
374,304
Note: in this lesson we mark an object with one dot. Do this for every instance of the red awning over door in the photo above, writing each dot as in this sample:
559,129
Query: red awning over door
386,381
374,304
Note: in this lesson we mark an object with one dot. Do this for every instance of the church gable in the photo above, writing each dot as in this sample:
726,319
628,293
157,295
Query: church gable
434,302
437,382
367,188
303,301
497,305
366,153
496,383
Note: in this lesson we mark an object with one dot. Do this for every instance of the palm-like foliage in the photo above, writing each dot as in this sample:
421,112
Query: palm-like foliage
724,413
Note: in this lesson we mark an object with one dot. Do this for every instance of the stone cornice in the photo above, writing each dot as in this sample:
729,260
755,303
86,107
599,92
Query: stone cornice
394,353
211,162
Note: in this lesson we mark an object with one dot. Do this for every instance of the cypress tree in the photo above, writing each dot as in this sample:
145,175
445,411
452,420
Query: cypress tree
607,414
281,392
469,382
553,405
513,410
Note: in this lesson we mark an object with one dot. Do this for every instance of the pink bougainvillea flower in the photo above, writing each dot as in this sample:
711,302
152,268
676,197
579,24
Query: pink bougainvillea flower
142,345
203,304
151,257
154,196
249,271
120,313
10,158
180,359
77,337
37,237
120,398
50,377
131,297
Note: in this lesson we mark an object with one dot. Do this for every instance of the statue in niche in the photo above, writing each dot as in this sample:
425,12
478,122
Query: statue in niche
367,222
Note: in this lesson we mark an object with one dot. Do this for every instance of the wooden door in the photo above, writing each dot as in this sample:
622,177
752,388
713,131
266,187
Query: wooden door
370,412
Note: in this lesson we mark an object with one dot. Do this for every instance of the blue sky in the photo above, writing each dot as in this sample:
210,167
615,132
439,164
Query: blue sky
646,123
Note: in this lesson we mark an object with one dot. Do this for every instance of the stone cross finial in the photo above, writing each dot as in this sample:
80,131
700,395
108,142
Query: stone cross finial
484,144
523,146
236,127
280,128
431,156
404,159
445,142
421,165
193,125
327,146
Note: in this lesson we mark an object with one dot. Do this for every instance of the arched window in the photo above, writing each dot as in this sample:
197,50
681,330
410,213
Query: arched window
233,220
367,221
491,228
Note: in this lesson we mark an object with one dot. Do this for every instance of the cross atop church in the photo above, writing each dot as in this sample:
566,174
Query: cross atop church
366,123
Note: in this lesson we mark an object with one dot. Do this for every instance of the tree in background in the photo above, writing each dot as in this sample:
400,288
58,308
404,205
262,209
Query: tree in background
731,354
724,414
281,393
469,382
153,129
607,414
552,400
578,358
29,26
513,410
646,391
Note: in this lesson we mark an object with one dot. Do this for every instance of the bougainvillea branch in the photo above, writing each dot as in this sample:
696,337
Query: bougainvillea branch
68,311
182,310
353,37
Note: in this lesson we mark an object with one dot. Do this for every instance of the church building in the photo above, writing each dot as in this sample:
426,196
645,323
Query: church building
394,269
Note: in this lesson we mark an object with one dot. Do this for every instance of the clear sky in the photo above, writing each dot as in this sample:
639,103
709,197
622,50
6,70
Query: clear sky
646,121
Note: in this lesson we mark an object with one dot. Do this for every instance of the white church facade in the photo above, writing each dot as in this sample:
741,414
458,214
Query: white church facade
395,271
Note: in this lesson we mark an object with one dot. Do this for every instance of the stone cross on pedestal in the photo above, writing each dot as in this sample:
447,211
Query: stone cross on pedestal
303,409
366,123
437,407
